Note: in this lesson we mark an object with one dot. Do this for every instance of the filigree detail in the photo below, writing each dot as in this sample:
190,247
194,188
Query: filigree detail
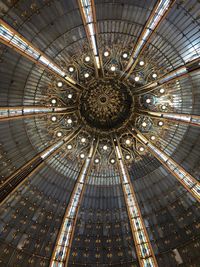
106,104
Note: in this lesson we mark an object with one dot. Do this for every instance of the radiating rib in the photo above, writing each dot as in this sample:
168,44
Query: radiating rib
178,117
12,183
88,14
63,244
13,39
13,113
143,246
158,14
186,179
179,73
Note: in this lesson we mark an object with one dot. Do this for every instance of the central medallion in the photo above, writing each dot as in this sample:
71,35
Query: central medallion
106,104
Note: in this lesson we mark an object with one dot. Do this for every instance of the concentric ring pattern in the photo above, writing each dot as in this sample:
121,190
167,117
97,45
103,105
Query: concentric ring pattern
101,90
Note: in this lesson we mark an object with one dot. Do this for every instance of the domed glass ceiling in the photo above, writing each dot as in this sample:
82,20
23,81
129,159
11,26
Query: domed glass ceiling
99,120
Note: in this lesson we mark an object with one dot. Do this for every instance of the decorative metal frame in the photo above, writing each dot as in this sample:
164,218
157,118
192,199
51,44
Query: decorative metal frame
143,117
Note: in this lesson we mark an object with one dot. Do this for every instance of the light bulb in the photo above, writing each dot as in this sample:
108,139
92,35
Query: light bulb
53,118
71,69
106,54
59,134
83,140
137,78
141,148
160,123
69,147
59,84
112,161
124,55
87,58
69,121
105,147
128,141
82,156
127,156
113,68
86,75
96,161
53,101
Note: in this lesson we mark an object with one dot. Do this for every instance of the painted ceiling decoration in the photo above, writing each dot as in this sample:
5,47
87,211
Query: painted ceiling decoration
99,133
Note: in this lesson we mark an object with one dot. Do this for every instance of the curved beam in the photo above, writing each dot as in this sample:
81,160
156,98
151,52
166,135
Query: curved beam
190,119
88,14
21,45
143,246
21,175
186,179
62,247
178,73
23,112
158,14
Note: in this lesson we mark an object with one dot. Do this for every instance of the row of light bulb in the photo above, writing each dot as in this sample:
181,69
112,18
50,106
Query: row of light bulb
140,149
128,141
107,54
112,68
86,74
83,139
137,78
160,123
54,119
125,56
105,147
60,84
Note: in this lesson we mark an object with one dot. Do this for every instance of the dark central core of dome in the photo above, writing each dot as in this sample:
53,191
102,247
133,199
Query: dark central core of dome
106,104
103,99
